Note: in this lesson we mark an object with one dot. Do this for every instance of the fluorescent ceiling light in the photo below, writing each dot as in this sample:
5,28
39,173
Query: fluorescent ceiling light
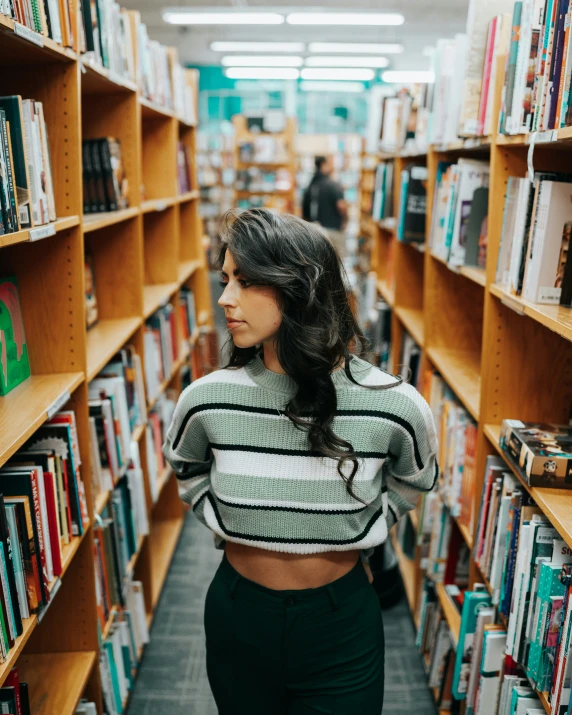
356,48
341,61
345,73
176,16
258,46
262,73
407,77
309,86
345,18
261,61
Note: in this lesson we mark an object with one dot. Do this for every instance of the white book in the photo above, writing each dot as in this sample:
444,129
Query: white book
136,484
39,108
110,438
486,616
481,12
524,541
553,224
152,465
453,107
151,377
507,233
389,124
115,639
472,175
139,610
139,388
499,548
115,386
107,683
518,236
493,654
29,153
444,68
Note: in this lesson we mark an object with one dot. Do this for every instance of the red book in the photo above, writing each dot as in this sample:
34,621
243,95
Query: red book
98,534
13,681
489,58
72,531
54,535
174,346
184,318
39,528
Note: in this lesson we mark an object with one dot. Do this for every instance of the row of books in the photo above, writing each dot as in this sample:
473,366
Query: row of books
56,19
116,407
376,321
264,149
108,29
105,185
534,258
538,77
42,508
403,120
381,205
26,185
457,436
255,179
15,695
460,213
436,645
119,655
184,168
412,204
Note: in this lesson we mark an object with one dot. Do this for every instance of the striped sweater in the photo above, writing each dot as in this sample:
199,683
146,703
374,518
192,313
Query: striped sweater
250,476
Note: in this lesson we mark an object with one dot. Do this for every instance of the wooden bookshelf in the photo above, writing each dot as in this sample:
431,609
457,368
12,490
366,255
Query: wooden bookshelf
492,348
242,134
142,256
452,615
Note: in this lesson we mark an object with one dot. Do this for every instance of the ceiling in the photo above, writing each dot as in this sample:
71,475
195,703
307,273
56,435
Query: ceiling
425,22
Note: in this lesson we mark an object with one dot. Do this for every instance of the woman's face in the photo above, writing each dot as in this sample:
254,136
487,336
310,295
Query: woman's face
252,313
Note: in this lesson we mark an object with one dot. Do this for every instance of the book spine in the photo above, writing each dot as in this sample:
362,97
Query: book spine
40,532
11,619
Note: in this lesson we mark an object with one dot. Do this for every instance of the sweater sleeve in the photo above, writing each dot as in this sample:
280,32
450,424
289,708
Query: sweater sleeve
188,451
413,468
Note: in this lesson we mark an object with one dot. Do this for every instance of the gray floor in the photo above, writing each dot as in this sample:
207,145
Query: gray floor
172,678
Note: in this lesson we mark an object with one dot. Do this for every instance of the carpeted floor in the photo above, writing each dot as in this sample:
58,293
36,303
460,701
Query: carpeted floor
172,678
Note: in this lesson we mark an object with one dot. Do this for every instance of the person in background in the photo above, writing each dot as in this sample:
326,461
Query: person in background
324,203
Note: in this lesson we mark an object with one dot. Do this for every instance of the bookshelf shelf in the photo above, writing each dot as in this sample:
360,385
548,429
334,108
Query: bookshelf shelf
452,615
412,320
39,233
105,338
56,680
407,568
553,317
150,110
26,407
461,370
555,503
99,80
154,296
186,269
134,274
163,540
387,293
93,222
22,50
188,196
158,204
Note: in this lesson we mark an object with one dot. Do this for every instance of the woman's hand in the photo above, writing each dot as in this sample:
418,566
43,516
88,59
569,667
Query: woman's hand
367,569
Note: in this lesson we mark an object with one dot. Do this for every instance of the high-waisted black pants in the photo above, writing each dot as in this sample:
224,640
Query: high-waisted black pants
306,652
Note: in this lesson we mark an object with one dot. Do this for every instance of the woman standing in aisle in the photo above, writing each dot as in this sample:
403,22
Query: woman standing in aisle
298,456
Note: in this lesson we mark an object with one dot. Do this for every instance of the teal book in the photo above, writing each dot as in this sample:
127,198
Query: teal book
511,64
114,676
14,361
12,105
403,204
7,595
522,699
474,601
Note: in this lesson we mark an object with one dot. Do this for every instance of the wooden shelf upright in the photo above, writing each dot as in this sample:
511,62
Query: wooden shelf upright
243,134
494,350
140,260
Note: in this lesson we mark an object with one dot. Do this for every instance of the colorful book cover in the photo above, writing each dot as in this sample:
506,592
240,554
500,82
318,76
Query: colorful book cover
511,64
473,602
14,362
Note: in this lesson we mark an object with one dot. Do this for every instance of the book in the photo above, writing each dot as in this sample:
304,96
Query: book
91,309
473,602
14,361
13,110
411,225
542,452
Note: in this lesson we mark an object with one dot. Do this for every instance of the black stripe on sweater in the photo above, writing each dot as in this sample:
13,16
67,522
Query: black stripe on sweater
296,509
414,486
206,406
284,540
287,452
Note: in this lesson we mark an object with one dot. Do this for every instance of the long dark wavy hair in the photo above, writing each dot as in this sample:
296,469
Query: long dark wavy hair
318,326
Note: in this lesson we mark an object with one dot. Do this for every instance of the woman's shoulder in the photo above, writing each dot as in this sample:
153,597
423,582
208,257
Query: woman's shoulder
217,383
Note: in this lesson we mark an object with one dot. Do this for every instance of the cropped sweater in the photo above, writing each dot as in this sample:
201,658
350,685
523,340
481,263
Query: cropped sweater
250,476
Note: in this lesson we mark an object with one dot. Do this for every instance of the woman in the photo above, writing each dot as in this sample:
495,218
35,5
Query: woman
297,455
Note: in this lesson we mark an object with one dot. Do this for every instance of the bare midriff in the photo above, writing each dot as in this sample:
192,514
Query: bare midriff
285,572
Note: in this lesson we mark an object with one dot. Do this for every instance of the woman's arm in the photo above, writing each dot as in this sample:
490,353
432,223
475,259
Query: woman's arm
188,452
413,468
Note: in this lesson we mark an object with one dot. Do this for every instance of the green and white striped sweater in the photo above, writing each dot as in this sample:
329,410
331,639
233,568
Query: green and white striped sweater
250,476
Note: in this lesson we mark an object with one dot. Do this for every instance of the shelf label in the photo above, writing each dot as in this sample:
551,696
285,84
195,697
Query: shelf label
160,205
550,135
58,404
25,32
513,304
42,232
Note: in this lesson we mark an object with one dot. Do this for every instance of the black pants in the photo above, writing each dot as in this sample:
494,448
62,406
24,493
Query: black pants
304,652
